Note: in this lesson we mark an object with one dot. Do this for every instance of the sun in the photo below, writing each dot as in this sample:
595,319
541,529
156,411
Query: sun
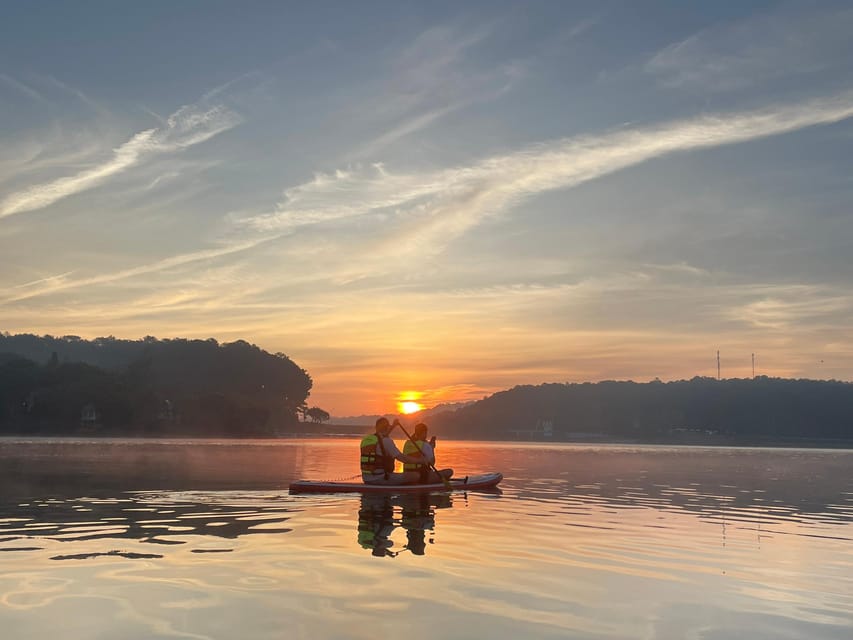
407,402
409,406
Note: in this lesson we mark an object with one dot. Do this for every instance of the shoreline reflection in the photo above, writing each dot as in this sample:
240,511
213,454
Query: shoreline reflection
148,518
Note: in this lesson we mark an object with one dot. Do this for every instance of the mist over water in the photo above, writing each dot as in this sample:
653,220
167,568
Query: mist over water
202,539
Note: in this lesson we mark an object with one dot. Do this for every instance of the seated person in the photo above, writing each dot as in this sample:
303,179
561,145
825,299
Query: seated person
378,453
425,452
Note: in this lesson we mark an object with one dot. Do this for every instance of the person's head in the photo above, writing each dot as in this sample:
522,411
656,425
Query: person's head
420,431
383,426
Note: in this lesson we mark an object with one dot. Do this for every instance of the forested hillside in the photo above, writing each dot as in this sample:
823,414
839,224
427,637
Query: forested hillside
71,386
150,387
763,408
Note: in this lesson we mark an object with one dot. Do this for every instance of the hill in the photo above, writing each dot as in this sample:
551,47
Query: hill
734,410
151,387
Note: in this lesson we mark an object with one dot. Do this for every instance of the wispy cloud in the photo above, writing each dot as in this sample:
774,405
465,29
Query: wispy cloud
52,150
76,93
420,213
60,277
441,205
429,68
22,88
188,126
430,78
781,308
61,283
405,128
781,44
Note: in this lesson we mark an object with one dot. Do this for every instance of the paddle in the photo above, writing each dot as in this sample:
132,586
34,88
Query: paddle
444,480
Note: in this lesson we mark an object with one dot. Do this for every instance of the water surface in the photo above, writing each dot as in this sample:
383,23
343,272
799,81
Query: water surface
142,539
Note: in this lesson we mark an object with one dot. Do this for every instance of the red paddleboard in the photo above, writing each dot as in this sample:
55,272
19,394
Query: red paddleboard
484,481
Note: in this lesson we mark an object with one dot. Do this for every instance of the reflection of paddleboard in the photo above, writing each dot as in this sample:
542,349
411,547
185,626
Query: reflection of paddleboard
483,481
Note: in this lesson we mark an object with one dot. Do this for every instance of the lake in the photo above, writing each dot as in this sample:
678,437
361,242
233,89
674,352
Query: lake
200,539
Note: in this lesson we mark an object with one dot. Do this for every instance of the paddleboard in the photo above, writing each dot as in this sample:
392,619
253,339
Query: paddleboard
484,481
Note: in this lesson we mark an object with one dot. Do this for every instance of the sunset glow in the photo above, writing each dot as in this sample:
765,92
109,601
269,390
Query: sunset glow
460,208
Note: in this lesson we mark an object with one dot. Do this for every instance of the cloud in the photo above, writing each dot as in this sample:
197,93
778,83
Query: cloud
60,277
420,213
76,93
47,151
188,126
758,50
433,208
431,77
405,128
20,87
429,67
782,308
60,283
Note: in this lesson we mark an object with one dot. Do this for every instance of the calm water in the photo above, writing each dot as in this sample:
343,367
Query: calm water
130,539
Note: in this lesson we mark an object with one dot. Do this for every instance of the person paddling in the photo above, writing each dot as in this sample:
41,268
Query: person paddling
424,450
378,453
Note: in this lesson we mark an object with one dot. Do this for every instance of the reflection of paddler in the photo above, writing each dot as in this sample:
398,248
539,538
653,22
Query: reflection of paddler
375,524
418,517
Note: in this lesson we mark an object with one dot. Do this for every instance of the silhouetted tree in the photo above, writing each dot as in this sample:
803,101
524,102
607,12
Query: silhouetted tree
234,389
317,414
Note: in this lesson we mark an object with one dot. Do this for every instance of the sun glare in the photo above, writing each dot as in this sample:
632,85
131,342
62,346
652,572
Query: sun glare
409,406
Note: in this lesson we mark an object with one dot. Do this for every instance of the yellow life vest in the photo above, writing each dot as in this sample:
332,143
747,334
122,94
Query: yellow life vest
373,458
413,449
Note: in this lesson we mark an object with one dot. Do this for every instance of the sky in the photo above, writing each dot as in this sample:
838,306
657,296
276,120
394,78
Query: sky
436,201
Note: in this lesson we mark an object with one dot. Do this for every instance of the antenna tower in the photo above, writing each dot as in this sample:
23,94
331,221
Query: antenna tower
718,364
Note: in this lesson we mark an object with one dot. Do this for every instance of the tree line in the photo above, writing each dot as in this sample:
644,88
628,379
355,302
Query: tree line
150,387
760,409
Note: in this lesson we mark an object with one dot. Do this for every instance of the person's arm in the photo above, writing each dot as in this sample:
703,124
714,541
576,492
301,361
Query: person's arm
429,454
